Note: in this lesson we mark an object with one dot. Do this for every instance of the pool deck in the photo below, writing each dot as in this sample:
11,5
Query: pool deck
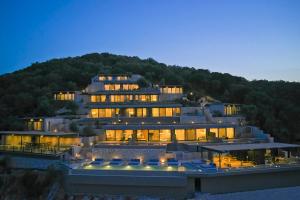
179,184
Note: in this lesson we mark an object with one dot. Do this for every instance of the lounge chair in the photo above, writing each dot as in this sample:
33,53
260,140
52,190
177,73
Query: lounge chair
172,162
198,162
97,162
116,162
153,162
134,162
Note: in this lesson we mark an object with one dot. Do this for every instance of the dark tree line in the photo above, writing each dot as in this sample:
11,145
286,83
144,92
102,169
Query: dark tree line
271,105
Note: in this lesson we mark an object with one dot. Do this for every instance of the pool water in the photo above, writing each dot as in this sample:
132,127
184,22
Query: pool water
137,168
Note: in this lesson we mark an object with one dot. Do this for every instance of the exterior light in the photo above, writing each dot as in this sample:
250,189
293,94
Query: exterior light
143,122
191,93
158,122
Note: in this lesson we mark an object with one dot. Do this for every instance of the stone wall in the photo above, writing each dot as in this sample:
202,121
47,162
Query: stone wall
128,153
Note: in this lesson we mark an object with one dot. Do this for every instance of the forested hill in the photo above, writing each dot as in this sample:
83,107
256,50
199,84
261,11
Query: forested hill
272,105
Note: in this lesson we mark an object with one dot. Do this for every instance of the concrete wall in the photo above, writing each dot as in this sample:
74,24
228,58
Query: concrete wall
128,153
246,181
169,97
173,185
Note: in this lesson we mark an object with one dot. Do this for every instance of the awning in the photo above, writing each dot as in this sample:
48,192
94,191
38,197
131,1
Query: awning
38,133
241,147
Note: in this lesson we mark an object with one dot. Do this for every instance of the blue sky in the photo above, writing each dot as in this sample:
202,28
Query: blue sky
257,39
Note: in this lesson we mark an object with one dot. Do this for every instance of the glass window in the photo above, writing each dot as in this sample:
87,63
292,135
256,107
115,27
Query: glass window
142,135
130,112
110,135
173,90
101,112
190,134
102,98
154,98
153,135
93,98
128,134
165,135
222,132
125,87
215,131
108,112
169,112
141,112
117,87
94,113
176,111
179,134
162,112
119,135
230,133
201,134
155,112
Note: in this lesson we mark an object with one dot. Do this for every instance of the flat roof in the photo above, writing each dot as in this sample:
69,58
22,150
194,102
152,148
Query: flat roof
134,105
222,148
138,91
164,126
37,133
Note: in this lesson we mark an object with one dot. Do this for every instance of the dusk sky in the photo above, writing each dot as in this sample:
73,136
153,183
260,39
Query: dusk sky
256,39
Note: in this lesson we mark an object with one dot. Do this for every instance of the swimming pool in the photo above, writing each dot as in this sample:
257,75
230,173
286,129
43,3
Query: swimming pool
137,168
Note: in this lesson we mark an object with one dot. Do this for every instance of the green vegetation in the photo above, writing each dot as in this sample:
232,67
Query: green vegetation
271,105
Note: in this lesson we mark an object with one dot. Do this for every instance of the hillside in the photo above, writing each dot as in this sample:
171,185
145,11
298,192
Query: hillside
271,105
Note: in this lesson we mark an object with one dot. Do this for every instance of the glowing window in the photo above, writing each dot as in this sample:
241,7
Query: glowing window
119,135
130,112
94,113
165,135
190,134
162,112
169,112
142,135
180,134
153,135
110,135
222,132
154,98
201,134
214,130
128,134
141,112
155,112
230,133
176,111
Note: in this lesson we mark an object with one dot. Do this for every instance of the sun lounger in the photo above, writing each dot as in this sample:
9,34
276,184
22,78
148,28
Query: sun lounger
172,162
116,162
134,162
153,162
98,162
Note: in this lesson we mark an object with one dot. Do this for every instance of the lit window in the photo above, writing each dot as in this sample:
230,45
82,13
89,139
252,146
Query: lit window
165,135
222,132
179,134
169,112
215,131
155,112
153,135
110,135
190,134
201,134
230,133
94,113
